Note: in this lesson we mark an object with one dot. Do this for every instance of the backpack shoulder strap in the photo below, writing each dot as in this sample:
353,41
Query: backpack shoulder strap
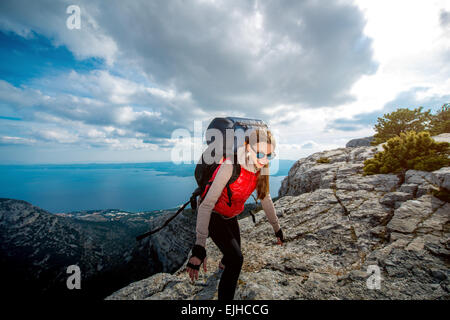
236,170
236,173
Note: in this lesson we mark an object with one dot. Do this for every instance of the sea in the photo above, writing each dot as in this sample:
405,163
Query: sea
132,187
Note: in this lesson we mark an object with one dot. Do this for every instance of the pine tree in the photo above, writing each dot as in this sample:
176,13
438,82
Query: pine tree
407,151
401,120
440,123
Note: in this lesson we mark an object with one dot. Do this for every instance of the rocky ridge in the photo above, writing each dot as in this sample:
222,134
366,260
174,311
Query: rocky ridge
342,229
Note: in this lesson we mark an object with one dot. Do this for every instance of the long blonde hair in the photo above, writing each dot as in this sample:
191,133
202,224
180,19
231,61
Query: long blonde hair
261,135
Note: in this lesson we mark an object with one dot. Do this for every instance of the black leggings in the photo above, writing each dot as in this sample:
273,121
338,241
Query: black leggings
226,235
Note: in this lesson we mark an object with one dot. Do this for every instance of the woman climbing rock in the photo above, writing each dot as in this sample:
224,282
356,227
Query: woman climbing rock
217,217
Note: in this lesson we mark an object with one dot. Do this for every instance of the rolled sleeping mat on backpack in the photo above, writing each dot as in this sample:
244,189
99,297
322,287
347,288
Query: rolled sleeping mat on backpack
233,131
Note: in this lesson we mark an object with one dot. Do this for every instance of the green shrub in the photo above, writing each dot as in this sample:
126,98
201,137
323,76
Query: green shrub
323,160
410,150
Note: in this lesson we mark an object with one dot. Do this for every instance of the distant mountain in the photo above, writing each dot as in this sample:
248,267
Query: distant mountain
104,215
36,247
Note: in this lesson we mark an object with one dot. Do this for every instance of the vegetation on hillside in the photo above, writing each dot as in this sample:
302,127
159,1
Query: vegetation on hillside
407,151
401,120
440,123
405,120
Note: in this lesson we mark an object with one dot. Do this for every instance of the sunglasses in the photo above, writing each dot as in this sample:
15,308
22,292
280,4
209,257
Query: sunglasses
261,155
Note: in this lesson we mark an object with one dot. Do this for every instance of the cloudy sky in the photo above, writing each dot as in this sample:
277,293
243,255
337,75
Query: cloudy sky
115,90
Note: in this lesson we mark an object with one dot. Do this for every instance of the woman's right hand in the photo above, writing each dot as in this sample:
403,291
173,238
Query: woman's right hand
193,274
280,237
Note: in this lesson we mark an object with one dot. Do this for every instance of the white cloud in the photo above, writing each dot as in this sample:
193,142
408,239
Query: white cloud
23,97
7,140
299,67
57,135
94,133
410,45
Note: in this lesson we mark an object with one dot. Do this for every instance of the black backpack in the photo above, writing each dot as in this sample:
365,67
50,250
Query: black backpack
238,130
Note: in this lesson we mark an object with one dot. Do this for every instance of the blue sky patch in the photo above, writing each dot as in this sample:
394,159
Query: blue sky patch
10,118
24,59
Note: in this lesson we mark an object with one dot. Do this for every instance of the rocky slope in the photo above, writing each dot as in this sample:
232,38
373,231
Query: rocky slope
339,225
36,247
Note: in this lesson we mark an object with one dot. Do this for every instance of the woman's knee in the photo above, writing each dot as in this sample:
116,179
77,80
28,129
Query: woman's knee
235,260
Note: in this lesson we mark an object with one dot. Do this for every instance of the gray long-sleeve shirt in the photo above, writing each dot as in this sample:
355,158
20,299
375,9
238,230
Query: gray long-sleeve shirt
206,207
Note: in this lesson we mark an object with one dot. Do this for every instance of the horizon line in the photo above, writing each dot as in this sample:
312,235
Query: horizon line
73,163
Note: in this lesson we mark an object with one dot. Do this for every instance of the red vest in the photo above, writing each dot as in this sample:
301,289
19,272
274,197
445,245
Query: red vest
241,190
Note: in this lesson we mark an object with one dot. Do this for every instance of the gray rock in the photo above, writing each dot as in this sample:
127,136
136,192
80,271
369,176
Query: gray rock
407,218
338,225
394,199
408,188
441,178
439,274
361,142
